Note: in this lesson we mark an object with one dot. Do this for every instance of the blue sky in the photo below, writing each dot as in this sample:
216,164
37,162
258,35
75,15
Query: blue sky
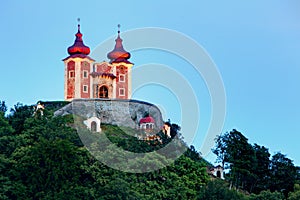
255,45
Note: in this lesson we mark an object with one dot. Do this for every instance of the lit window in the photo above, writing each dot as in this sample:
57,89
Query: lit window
71,74
122,91
85,74
122,78
85,89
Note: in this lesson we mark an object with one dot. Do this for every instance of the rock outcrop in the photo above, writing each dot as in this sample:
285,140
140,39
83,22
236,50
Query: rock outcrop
113,111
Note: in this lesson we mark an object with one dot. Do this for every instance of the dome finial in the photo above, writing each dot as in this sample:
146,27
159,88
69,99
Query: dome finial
78,20
78,47
119,26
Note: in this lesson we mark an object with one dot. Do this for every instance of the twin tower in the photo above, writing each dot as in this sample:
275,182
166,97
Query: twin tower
85,78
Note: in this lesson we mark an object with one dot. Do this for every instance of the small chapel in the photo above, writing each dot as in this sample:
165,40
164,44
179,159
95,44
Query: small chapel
85,78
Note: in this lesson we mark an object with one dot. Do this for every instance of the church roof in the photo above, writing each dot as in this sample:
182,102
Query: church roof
119,54
78,47
103,74
148,119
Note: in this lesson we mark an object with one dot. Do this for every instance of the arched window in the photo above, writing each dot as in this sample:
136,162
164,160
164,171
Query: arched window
147,126
103,92
94,126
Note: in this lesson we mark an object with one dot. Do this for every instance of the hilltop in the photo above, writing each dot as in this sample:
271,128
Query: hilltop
43,157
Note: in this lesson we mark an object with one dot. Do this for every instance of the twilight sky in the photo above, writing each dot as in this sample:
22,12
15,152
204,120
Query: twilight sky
254,44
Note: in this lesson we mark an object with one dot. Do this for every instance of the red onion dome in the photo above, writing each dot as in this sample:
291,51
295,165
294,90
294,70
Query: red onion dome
78,47
118,53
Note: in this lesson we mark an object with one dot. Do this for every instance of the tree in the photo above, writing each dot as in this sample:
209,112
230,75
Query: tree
261,168
283,174
296,194
218,190
3,107
7,140
48,168
18,116
193,154
267,195
118,188
235,153
42,157
175,128
5,182
5,128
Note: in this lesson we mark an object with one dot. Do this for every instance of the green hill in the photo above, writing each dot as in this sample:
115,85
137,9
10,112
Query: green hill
43,157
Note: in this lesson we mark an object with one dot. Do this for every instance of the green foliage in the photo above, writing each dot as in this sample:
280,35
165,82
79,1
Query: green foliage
5,128
3,107
18,116
42,157
48,166
218,190
283,174
296,194
251,168
124,137
261,169
267,195
54,105
7,141
234,150
5,182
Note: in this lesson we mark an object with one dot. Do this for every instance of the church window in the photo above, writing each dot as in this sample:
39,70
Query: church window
122,78
71,65
85,89
85,74
122,91
71,74
103,92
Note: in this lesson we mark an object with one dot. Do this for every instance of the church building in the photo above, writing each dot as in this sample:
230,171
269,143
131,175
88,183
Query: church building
85,78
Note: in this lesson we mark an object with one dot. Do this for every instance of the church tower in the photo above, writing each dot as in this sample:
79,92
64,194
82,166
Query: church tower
119,59
77,70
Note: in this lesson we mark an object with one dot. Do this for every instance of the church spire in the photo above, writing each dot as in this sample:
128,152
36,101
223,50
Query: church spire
78,47
118,54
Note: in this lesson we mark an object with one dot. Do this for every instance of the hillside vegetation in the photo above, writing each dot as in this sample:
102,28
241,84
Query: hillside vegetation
43,157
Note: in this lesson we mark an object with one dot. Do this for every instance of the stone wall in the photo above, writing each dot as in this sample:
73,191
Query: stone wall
113,111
